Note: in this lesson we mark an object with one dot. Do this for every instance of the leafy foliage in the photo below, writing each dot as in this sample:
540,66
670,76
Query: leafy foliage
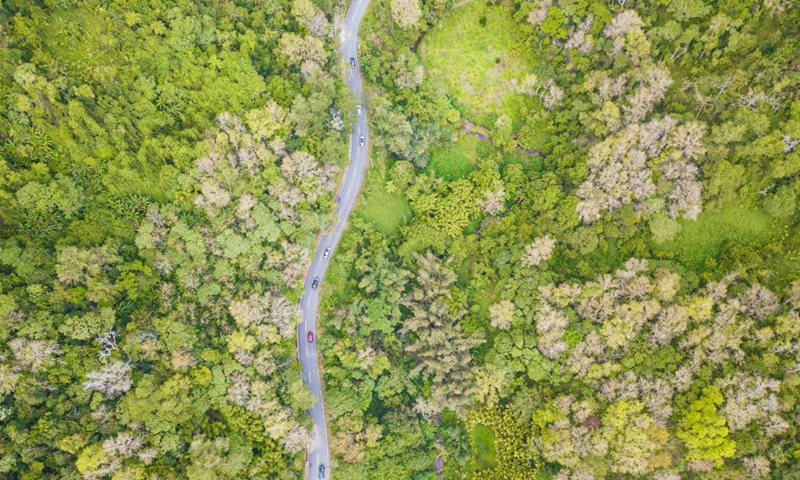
164,171
623,243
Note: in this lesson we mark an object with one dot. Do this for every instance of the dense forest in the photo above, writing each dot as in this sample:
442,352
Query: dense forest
576,256
164,170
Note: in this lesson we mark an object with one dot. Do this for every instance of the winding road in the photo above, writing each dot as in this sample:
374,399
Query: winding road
307,351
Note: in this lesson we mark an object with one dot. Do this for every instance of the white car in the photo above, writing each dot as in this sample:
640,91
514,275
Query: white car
326,253
359,110
361,140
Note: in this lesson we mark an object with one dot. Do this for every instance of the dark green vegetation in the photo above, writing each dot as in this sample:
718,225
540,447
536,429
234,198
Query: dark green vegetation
164,170
599,278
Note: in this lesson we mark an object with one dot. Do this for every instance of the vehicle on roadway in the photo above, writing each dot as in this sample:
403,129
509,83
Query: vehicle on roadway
315,283
326,253
353,62
359,111
310,337
322,471
361,140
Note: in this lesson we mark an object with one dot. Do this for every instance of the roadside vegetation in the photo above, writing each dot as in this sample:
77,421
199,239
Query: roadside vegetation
599,277
576,255
164,170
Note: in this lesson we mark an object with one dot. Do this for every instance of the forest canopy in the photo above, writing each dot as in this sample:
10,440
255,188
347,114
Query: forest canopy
164,170
598,275
575,255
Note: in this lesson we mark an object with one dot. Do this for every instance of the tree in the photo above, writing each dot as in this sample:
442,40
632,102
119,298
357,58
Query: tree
406,13
751,398
79,266
538,13
221,457
552,95
621,172
501,314
633,440
757,467
493,201
33,355
540,250
703,430
111,380
392,128
623,22
264,313
268,121
553,24
306,52
442,353
664,229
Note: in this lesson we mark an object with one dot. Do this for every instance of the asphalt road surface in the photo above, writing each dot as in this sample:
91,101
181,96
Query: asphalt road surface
307,351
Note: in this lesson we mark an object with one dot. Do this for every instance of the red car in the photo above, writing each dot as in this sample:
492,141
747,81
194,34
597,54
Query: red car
310,337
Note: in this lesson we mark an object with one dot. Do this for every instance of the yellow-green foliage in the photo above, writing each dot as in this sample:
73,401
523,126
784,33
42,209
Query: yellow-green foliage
704,431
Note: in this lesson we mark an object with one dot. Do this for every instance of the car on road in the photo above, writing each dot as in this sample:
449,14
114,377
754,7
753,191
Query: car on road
326,253
353,62
315,283
310,337
359,111
361,140
322,471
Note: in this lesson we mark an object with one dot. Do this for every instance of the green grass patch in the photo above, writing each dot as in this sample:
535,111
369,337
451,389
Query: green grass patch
483,440
386,210
474,51
450,163
702,239
469,144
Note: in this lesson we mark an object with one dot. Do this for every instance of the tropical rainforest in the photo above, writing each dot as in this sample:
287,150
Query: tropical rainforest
576,255
165,167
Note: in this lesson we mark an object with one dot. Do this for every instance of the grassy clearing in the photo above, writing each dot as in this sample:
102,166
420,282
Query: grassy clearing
483,440
387,211
702,239
450,163
477,61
